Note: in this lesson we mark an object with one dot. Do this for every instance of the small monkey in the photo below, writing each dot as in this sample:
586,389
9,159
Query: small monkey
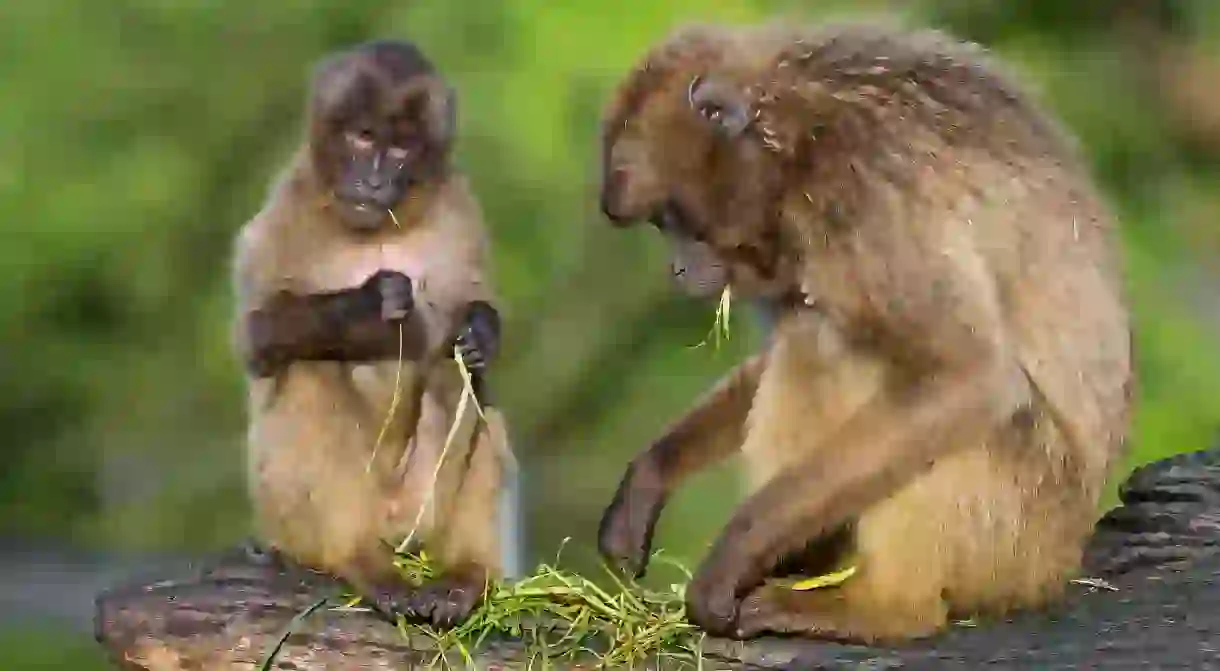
948,380
371,247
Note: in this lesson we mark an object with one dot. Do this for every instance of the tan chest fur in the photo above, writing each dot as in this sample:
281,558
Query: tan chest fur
825,384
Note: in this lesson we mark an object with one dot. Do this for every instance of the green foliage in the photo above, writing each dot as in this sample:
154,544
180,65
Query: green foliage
136,136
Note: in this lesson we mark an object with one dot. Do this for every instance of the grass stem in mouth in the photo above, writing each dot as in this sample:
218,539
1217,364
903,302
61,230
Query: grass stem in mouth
720,327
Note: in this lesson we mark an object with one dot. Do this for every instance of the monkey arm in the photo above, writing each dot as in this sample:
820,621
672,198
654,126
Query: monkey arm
707,433
346,325
478,343
959,382
884,446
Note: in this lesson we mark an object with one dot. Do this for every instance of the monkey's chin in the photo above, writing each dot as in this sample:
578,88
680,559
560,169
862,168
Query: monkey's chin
362,216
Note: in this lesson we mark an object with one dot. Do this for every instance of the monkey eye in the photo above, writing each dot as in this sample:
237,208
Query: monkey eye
361,140
711,112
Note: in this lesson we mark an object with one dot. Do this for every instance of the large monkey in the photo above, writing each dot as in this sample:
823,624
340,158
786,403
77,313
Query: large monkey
948,379
362,271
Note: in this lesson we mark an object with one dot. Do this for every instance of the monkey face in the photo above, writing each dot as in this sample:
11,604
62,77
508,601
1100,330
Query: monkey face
378,132
371,180
681,163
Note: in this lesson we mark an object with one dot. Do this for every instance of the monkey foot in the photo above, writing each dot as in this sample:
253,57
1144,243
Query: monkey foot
830,614
389,600
445,602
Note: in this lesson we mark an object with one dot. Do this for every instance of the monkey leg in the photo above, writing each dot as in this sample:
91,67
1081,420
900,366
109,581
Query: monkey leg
898,550
314,498
469,538
461,526
890,442
895,593
708,433
985,531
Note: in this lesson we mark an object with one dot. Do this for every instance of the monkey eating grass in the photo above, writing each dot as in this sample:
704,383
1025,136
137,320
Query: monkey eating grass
355,282
948,379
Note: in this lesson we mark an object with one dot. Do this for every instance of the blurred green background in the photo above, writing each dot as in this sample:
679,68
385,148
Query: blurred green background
136,136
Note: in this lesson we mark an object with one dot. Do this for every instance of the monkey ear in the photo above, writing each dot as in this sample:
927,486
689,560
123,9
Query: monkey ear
720,104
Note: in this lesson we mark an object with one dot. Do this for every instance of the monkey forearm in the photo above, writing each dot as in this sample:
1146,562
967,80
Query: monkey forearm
885,445
710,431
705,435
338,326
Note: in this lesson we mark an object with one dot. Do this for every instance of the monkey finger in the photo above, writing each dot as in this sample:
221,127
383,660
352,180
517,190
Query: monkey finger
767,610
712,603
397,299
394,309
444,603
473,360
629,557
465,343
389,601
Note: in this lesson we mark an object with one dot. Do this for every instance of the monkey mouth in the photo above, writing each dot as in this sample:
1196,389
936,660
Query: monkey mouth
670,218
363,215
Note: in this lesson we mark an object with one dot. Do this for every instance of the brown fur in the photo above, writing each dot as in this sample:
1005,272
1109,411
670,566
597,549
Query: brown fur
949,377
322,494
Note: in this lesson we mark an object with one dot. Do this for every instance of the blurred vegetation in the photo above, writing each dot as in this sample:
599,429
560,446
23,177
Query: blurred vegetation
137,135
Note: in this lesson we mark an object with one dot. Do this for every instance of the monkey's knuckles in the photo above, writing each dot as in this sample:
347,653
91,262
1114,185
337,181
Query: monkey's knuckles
395,292
623,541
473,348
442,603
763,611
712,604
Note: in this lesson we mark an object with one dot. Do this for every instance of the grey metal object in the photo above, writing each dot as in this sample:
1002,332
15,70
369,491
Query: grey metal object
512,523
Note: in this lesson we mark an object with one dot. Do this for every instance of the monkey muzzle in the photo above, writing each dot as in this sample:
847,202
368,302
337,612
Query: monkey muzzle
368,190
694,265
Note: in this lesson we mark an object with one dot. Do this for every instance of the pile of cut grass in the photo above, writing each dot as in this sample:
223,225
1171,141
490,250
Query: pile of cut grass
559,616
556,615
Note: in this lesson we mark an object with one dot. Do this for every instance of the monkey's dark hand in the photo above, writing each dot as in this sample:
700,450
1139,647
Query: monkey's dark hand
478,341
394,291
711,597
624,536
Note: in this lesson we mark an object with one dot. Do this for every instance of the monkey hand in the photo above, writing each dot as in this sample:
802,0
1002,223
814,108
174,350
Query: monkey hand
624,536
478,341
394,292
711,598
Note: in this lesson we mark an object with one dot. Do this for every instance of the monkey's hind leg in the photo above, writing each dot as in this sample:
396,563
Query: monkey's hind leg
899,549
465,537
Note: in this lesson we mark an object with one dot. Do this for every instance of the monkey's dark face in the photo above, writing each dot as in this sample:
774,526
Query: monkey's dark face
372,179
376,139
695,266
679,162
